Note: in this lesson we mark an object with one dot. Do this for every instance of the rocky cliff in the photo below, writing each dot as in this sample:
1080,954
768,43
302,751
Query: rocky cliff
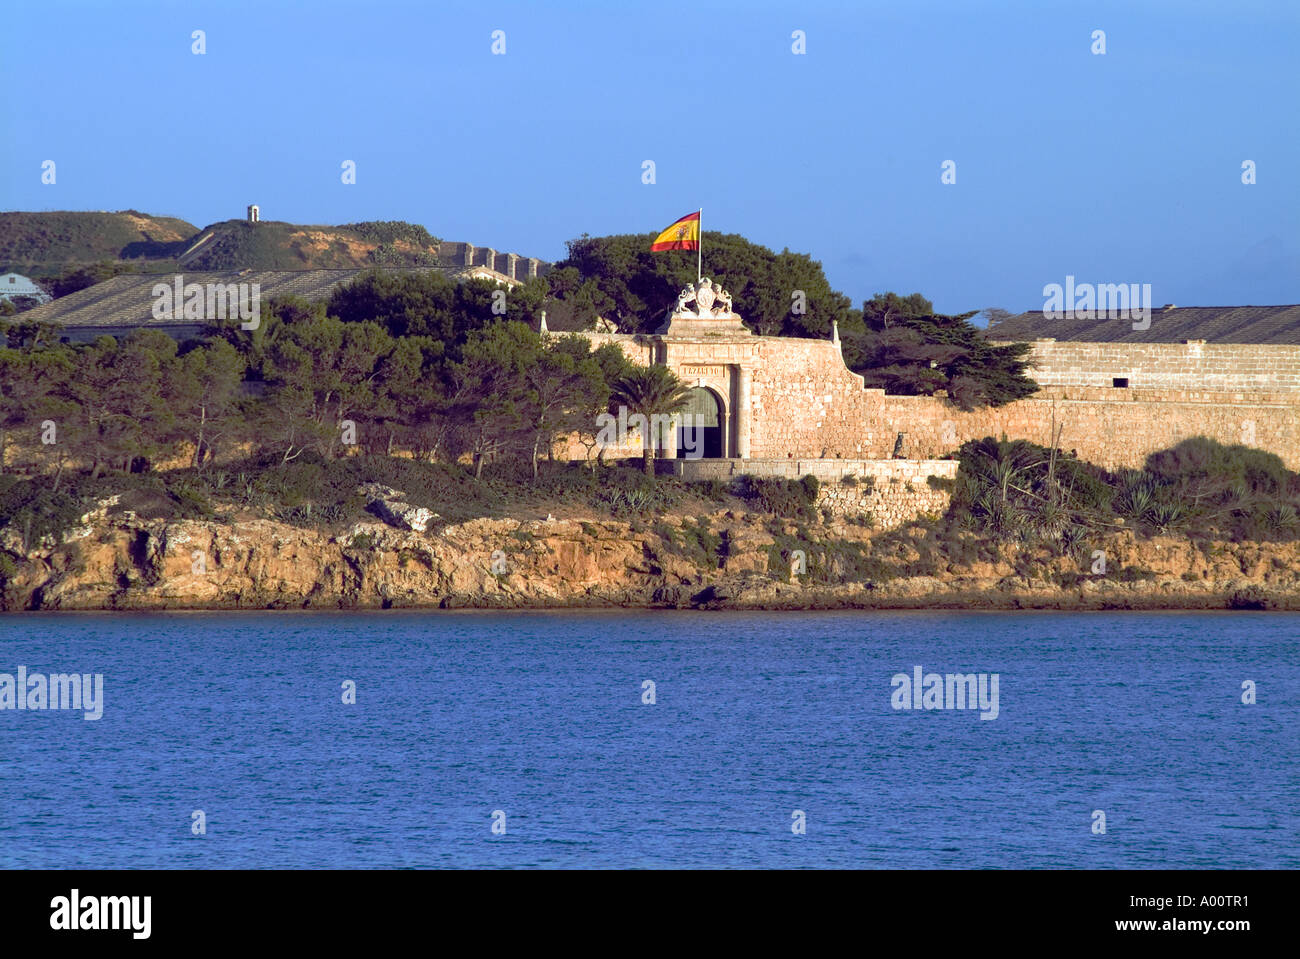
724,560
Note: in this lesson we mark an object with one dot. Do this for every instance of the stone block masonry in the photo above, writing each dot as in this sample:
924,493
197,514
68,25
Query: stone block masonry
1113,428
457,254
890,492
1113,404
1191,365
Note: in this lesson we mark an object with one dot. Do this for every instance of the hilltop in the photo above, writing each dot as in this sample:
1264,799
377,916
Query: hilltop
53,244
47,244
276,245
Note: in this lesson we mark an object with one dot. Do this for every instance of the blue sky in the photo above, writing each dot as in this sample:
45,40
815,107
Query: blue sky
1124,167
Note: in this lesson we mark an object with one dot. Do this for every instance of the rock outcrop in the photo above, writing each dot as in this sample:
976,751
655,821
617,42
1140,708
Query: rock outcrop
390,505
125,562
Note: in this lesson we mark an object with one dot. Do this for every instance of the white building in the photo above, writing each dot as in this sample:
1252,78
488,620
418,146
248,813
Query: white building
14,284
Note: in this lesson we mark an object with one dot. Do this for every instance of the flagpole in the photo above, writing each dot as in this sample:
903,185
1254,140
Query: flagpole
699,259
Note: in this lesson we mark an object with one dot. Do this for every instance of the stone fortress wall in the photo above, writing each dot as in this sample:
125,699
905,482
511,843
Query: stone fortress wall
804,403
790,407
458,255
1193,364
1110,427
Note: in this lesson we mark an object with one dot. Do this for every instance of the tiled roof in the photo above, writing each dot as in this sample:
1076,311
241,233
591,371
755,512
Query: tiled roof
127,301
1214,324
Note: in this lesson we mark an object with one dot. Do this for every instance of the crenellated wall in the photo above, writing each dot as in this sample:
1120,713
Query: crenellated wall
452,253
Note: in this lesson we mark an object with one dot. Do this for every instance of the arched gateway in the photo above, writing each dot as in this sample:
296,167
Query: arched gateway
700,433
783,400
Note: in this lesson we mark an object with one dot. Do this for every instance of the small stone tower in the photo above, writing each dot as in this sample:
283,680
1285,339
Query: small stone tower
254,214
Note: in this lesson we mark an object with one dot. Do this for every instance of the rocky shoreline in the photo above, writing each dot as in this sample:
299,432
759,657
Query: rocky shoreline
727,560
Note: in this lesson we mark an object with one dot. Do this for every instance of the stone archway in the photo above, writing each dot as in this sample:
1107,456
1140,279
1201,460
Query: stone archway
700,433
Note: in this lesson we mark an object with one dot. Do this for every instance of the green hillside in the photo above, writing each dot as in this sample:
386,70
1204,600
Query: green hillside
59,244
47,244
275,245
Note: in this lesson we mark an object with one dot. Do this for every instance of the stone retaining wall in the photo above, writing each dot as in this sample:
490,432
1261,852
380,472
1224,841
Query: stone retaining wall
890,492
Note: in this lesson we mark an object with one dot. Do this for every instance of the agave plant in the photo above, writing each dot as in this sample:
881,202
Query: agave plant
1136,499
1074,536
1283,517
1166,515
1237,495
1050,520
1005,519
1000,465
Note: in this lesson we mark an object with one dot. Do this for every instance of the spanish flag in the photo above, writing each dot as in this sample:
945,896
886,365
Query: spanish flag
682,235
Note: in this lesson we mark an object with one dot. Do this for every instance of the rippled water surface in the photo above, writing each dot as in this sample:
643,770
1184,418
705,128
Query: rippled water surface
540,716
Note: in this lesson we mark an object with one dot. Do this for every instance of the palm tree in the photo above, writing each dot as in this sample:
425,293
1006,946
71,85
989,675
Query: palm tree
649,391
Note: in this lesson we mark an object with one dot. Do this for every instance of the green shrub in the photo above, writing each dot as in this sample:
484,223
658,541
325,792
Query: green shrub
713,489
392,231
35,510
694,541
191,498
793,499
1017,490
703,541
1134,574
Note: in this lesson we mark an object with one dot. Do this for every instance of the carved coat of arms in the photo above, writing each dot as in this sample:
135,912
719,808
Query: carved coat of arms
710,301
704,296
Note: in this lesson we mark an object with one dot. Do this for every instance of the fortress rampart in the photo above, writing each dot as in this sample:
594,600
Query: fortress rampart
1113,404
454,254
1191,365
